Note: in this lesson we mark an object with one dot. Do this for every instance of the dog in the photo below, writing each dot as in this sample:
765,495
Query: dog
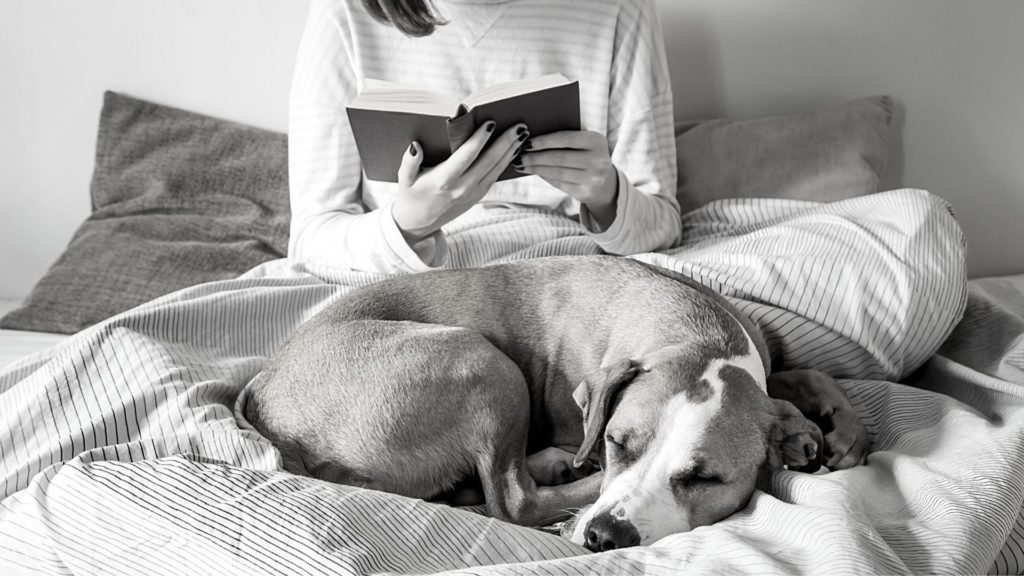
524,375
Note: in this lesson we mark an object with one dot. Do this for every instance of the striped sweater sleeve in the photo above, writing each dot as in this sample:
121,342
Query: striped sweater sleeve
329,220
640,136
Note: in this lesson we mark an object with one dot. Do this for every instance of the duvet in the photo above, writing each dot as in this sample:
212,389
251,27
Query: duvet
121,451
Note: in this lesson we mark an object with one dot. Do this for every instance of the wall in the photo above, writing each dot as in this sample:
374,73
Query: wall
228,58
952,64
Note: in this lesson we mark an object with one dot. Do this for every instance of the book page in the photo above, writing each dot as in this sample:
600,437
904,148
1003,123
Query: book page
394,97
515,88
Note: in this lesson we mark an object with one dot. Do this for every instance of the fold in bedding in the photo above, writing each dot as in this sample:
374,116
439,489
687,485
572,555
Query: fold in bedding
121,453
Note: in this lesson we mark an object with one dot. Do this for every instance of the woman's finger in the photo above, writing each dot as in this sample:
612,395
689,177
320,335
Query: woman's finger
559,173
572,139
465,155
410,167
499,154
563,158
492,176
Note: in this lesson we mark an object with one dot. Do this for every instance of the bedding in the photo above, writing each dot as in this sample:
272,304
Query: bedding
16,344
181,198
124,452
178,199
825,155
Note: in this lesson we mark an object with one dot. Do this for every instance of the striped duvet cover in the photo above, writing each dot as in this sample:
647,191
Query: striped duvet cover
121,452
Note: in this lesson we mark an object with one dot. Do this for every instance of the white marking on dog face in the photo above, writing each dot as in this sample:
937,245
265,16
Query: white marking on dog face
680,479
752,363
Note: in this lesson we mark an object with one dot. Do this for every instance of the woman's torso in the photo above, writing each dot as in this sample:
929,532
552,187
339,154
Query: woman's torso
488,42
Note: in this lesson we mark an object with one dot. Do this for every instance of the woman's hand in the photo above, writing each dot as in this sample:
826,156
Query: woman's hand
576,162
430,199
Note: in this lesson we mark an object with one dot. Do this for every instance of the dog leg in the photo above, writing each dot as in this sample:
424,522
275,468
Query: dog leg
823,402
512,495
501,433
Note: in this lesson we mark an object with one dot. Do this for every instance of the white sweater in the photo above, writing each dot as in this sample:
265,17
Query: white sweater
613,47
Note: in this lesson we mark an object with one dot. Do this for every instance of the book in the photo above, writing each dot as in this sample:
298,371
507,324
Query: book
386,117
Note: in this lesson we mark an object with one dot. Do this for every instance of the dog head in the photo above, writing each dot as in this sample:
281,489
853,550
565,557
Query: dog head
684,439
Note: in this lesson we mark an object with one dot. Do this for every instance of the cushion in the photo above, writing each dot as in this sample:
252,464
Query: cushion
178,199
827,155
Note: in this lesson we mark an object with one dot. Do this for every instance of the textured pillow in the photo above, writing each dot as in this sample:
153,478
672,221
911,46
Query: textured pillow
178,199
827,155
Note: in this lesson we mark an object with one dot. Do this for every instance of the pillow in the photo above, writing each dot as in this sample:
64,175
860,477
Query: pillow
178,199
832,154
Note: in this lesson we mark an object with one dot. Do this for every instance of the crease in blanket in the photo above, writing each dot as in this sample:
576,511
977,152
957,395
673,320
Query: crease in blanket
121,454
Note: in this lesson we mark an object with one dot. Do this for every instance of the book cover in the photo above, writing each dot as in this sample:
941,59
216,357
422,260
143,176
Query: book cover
382,136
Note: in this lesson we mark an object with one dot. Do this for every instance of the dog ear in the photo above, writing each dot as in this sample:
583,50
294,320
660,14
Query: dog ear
793,440
595,397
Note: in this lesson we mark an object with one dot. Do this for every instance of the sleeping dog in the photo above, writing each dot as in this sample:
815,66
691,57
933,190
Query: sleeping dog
521,374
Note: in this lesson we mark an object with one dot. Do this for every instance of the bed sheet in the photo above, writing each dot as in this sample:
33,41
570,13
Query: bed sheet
981,365
16,344
122,453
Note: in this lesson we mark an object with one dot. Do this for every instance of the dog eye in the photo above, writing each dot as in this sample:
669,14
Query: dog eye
691,480
617,441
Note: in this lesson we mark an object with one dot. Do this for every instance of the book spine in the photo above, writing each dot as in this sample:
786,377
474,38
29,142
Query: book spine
460,128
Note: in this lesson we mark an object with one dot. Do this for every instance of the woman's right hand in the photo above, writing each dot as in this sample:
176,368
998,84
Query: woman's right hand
428,200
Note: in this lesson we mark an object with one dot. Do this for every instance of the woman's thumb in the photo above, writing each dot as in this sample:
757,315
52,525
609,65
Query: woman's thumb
410,168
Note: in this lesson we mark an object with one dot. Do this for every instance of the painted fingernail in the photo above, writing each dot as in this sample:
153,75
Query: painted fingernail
524,136
528,145
489,126
521,130
412,149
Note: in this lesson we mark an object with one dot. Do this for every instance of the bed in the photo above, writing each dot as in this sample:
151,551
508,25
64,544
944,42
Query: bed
123,450
16,344
128,457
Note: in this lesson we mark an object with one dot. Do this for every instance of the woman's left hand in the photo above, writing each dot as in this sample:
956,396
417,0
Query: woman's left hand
576,162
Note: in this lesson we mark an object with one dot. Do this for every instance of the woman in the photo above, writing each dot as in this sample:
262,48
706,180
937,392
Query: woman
858,289
618,176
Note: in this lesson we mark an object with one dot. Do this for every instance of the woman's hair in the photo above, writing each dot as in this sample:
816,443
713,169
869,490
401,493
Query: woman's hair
412,17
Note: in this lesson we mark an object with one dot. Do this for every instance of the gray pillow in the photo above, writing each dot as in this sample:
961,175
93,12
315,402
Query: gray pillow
178,199
831,154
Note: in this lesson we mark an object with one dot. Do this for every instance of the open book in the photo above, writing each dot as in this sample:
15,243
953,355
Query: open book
387,117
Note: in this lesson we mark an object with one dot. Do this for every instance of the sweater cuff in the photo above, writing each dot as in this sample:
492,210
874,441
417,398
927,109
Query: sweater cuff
614,237
425,255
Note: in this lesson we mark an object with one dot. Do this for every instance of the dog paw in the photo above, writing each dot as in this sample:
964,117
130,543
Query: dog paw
846,444
553,466
823,401
802,452
795,442
572,473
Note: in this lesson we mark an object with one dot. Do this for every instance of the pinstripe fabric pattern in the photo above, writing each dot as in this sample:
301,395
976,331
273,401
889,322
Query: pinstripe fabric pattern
613,47
121,452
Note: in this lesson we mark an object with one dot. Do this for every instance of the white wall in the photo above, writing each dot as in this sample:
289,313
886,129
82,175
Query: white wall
953,64
229,58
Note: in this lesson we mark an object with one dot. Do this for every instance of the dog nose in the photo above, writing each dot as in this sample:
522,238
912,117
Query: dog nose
607,533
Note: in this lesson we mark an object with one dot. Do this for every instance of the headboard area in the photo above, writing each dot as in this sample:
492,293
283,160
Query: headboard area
952,67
